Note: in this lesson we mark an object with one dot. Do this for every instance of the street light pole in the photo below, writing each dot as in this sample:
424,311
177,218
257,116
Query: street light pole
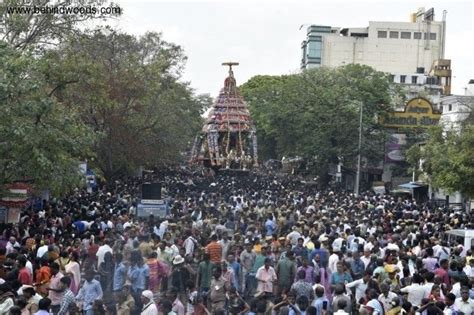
357,181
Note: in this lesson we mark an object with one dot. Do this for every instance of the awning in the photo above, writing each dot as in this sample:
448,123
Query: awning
409,185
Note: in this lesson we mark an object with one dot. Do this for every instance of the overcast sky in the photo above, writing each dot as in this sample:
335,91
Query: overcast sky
265,36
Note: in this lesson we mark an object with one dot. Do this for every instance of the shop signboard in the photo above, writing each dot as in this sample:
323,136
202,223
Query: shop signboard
418,113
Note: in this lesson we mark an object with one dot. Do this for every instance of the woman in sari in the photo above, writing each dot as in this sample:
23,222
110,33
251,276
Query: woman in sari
73,269
154,267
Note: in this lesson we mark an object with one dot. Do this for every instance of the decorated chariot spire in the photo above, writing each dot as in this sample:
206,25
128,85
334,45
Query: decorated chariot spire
230,85
228,138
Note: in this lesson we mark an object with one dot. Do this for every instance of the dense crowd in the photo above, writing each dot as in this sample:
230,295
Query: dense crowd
256,244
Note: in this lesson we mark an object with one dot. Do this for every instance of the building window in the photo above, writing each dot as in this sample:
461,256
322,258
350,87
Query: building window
450,107
392,78
414,79
403,78
431,81
382,34
393,34
432,36
405,35
314,49
417,35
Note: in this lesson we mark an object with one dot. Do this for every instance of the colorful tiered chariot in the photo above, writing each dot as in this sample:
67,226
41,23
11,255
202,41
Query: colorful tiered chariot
228,139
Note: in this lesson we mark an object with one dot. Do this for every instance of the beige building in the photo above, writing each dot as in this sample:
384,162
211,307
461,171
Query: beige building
399,48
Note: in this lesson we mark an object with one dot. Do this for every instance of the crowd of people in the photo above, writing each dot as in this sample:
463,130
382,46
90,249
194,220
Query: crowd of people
255,244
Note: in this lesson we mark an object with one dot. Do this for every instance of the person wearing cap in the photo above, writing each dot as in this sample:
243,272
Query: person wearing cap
179,277
149,306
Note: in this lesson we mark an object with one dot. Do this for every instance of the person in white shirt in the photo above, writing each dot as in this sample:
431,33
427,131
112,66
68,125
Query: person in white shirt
386,297
102,250
366,258
450,308
266,277
374,304
149,305
189,244
360,286
464,304
441,251
337,242
333,259
469,268
293,236
416,291
11,245
42,249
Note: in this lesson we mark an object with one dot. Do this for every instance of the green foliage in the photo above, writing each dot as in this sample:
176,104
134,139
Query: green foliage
315,114
68,94
448,159
128,89
40,140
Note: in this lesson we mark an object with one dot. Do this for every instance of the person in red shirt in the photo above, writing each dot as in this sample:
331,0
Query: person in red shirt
43,275
24,275
442,272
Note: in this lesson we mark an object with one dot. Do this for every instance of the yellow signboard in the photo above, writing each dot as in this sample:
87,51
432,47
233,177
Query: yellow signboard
418,113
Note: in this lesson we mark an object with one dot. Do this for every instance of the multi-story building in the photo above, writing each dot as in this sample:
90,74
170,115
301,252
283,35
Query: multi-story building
393,47
456,109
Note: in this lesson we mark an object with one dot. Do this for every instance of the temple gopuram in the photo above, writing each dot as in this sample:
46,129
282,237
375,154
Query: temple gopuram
228,139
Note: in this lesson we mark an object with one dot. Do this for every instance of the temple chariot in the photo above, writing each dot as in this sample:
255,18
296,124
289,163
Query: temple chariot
228,139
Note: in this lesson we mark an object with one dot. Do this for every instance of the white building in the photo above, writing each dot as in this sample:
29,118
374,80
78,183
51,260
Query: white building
456,108
420,84
394,47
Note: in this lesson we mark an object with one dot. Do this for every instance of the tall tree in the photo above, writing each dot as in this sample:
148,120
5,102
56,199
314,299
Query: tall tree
128,89
40,140
447,158
315,114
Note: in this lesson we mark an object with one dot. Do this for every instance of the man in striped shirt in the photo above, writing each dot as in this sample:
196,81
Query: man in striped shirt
214,249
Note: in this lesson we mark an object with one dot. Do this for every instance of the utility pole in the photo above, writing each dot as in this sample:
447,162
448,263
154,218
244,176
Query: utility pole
357,181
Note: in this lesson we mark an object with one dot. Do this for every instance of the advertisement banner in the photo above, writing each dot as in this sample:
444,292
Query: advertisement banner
394,148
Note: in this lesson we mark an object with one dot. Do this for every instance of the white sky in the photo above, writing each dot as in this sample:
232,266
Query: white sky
264,35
